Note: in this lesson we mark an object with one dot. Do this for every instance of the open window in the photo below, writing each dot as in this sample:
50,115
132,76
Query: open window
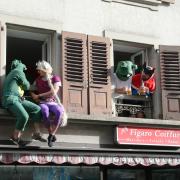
137,53
125,104
29,45
138,59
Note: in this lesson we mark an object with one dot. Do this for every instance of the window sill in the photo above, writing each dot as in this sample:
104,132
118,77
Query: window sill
109,120
74,118
150,4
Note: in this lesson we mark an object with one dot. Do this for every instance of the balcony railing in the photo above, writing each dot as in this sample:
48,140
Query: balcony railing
133,104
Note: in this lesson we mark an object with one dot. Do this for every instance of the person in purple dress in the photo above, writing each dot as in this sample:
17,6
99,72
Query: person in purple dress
46,87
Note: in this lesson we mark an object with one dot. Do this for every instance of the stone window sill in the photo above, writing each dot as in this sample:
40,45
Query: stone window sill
150,4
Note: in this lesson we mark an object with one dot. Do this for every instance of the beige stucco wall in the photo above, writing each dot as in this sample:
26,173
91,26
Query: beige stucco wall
162,25
95,16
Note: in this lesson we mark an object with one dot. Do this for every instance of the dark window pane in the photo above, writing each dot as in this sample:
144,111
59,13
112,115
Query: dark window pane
166,174
49,173
124,174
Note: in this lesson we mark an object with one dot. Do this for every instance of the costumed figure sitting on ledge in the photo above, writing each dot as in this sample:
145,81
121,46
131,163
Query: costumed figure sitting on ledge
123,77
13,88
47,87
144,83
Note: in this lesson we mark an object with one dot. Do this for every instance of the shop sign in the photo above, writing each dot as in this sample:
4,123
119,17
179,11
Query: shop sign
147,136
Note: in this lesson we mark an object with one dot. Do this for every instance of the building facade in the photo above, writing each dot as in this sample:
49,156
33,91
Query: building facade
84,40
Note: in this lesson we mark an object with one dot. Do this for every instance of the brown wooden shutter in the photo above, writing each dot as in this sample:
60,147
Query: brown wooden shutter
170,81
99,79
74,76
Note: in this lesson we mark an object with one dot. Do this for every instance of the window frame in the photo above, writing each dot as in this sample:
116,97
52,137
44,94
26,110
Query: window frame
34,33
47,49
137,54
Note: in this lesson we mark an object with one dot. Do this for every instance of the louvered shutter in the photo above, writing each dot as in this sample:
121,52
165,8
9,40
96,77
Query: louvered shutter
74,64
99,79
170,81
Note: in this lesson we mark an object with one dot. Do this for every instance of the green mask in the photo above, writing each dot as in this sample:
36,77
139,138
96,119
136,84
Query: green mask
125,69
18,64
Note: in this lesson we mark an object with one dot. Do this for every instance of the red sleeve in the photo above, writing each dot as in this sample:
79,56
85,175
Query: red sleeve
136,80
151,84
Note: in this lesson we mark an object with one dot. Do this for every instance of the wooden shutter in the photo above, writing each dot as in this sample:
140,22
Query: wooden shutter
170,81
74,64
99,79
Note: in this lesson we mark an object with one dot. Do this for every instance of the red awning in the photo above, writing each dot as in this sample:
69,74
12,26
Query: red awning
25,158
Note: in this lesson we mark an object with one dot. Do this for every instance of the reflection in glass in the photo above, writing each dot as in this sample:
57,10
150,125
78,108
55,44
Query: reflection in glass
49,173
125,174
166,174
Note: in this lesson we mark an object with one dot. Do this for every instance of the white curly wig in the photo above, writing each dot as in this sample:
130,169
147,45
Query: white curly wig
44,66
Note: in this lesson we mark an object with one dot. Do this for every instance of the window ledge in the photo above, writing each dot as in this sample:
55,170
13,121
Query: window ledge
109,120
74,118
150,4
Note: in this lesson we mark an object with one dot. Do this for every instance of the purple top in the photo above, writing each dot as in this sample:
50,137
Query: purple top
42,85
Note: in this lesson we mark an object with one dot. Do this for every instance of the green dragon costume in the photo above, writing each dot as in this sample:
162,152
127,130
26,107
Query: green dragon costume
14,85
125,69
123,76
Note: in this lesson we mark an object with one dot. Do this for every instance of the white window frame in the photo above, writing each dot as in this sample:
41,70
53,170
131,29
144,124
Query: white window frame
34,34
46,49
144,54
137,54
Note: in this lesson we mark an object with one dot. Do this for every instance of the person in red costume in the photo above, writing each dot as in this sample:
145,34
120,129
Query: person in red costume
144,83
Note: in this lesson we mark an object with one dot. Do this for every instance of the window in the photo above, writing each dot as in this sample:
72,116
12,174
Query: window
29,45
49,172
138,59
165,174
125,174
137,53
46,49
143,174
127,105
